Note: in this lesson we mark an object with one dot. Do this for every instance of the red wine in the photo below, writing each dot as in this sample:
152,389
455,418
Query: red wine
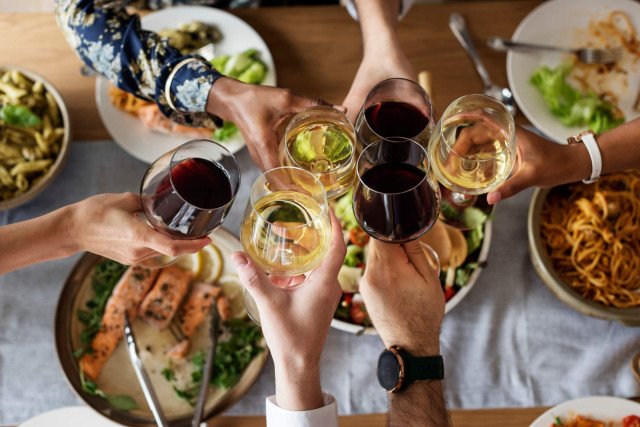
396,118
189,201
201,183
402,205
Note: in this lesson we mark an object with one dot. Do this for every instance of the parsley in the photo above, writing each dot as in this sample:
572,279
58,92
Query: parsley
168,374
118,401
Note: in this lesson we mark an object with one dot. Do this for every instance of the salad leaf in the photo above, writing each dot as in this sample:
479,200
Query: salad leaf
473,217
474,239
19,115
462,277
225,132
344,211
303,150
572,106
354,257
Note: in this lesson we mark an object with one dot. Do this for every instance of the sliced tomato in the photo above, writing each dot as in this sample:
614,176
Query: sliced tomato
449,293
359,313
631,421
358,237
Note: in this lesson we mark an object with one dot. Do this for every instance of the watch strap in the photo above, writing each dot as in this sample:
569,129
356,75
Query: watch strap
589,141
422,368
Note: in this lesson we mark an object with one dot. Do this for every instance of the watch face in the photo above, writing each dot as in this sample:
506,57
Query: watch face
388,370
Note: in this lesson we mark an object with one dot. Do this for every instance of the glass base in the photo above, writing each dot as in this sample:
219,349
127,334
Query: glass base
159,261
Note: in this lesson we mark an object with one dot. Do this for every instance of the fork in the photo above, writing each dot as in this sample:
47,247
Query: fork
586,55
207,52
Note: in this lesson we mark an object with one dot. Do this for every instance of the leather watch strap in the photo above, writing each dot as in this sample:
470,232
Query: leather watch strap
423,368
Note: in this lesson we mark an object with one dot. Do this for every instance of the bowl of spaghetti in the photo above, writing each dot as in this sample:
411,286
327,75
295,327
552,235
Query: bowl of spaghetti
585,245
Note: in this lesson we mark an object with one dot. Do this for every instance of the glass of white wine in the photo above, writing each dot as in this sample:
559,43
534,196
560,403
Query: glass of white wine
472,152
321,140
286,227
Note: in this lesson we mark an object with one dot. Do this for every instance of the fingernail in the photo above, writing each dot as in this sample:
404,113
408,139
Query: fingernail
239,259
493,198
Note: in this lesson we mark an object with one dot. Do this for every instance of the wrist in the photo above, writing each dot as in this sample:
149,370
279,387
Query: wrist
70,228
298,386
579,164
224,96
416,346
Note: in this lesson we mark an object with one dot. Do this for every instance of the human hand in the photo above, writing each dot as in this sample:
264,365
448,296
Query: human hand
403,297
542,163
107,225
379,63
260,112
295,320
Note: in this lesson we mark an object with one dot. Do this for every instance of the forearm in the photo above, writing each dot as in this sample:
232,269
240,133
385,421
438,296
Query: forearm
298,387
620,147
422,403
378,22
40,239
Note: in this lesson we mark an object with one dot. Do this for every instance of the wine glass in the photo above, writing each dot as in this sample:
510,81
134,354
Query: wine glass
395,107
321,140
396,198
187,193
472,151
286,227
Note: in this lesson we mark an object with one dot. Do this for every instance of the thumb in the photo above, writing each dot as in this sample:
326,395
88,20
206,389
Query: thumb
251,277
521,180
418,259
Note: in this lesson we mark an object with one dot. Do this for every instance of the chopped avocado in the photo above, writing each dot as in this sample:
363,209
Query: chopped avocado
344,211
473,217
254,74
355,256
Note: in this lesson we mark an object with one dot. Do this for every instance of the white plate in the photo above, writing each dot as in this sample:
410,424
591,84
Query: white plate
72,416
559,22
598,407
459,296
128,131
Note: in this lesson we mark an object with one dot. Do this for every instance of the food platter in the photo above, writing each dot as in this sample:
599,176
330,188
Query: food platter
561,23
118,377
551,278
54,169
603,408
237,36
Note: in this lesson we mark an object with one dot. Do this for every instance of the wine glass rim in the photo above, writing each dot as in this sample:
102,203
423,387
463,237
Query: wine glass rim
395,139
172,162
328,108
511,130
403,79
323,208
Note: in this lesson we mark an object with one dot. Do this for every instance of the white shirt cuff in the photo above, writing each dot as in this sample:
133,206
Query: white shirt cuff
327,416
405,5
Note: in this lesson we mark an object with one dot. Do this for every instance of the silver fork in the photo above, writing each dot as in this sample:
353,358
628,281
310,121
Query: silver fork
208,52
586,55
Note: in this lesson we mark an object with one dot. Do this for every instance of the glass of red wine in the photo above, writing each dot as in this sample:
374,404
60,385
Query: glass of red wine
395,108
396,198
187,193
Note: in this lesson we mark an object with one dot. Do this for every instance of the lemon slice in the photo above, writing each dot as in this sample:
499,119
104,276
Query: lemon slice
190,262
212,264
233,290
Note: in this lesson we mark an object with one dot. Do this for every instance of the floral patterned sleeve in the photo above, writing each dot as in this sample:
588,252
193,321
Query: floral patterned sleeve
110,41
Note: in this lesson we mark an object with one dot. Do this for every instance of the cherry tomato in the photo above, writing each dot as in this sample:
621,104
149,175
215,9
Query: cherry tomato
631,421
358,236
449,293
358,313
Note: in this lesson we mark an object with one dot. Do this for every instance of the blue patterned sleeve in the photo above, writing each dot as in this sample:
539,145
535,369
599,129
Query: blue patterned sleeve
111,41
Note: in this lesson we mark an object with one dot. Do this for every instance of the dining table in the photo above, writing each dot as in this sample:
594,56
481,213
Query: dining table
510,348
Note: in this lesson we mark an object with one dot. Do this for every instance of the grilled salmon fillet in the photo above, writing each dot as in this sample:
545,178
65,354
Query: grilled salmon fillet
196,307
161,303
127,295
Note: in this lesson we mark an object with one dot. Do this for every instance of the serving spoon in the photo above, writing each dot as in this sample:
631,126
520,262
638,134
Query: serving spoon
503,94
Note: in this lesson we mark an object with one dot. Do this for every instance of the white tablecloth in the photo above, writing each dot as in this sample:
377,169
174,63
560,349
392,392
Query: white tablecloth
509,343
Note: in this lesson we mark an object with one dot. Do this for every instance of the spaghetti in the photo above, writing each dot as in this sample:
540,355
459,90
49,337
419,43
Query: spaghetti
592,235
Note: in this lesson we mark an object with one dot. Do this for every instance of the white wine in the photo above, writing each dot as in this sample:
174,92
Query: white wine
286,232
471,156
325,149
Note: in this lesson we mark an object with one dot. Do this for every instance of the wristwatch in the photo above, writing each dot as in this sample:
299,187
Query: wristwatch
397,369
588,138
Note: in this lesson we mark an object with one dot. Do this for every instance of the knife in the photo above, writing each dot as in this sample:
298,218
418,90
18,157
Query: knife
143,378
208,367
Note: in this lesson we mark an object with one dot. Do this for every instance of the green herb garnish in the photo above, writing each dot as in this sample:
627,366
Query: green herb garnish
231,359
118,401
557,422
104,279
168,374
354,256
19,115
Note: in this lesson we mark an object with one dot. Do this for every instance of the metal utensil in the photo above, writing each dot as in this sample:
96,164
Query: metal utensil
503,94
208,367
143,378
586,55
208,52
